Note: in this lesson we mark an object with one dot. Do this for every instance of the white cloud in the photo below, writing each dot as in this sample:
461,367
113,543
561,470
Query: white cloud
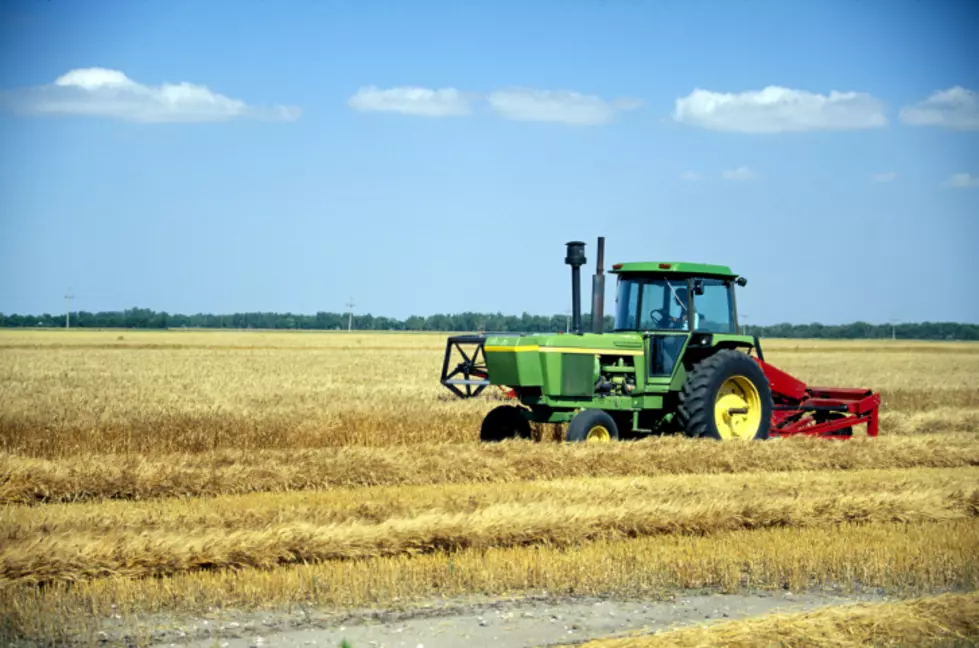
690,176
561,106
409,100
775,109
741,174
884,177
962,181
955,108
101,92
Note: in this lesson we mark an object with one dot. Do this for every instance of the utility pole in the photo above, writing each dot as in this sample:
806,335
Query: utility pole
68,298
350,314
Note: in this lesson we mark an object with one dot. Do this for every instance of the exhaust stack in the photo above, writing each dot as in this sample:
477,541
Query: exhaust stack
598,290
575,258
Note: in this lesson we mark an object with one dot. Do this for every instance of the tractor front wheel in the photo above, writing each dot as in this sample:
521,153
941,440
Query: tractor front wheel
726,396
504,422
593,426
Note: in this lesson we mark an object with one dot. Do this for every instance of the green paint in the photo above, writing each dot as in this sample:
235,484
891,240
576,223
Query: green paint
679,268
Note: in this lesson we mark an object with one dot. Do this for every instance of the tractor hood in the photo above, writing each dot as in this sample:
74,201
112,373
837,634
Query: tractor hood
559,364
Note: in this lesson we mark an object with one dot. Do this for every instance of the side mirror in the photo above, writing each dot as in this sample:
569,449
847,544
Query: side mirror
741,281
698,286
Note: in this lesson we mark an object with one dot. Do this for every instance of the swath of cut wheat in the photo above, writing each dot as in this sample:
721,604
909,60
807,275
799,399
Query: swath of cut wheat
333,469
379,503
470,517
93,476
897,558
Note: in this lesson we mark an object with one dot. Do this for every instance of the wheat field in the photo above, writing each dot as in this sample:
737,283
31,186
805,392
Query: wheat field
181,472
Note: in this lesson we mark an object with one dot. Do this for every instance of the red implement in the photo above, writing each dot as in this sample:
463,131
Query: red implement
829,412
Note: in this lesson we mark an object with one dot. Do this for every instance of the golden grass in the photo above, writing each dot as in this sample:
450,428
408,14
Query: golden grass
380,503
93,476
896,558
137,540
943,620
271,468
73,392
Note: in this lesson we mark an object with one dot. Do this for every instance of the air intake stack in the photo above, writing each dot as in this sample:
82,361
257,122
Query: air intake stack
598,290
575,258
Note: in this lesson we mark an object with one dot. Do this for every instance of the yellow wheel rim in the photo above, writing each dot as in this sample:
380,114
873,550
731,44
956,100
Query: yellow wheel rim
598,434
737,409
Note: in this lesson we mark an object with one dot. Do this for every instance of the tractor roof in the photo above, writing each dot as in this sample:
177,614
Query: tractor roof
670,267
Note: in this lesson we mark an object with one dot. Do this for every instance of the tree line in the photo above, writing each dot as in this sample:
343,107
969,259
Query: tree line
143,318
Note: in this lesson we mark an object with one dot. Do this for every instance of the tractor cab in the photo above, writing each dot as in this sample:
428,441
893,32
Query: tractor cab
676,297
682,310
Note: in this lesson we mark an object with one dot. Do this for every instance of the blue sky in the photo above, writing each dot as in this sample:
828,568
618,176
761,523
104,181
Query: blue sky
435,157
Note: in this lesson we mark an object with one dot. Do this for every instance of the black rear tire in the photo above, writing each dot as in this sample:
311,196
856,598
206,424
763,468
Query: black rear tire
593,426
738,375
504,422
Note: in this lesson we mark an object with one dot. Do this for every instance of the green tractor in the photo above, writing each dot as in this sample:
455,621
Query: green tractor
675,362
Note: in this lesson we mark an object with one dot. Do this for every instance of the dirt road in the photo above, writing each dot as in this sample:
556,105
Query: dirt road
502,623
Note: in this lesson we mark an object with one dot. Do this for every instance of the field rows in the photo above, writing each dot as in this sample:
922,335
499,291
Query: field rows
901,559
398,423
305,392
86,477
390,523
380,503
193,472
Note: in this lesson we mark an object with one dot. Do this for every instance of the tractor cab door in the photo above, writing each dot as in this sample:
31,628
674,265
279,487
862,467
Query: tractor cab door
713,307
657,306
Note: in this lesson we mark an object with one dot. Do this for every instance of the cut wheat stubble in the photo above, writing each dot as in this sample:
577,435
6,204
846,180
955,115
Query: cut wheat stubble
74,555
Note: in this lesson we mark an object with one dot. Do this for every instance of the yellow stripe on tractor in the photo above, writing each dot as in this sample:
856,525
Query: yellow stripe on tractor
550,349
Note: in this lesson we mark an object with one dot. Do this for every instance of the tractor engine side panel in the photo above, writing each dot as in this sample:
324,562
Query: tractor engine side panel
577,374
570,375
513,362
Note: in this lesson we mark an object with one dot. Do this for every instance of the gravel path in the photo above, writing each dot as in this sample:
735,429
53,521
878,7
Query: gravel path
503,624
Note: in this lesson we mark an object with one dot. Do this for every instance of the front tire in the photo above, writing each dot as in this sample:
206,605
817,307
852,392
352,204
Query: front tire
593,426
504,422
726,396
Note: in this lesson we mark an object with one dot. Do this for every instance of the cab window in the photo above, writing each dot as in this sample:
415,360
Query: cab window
713,309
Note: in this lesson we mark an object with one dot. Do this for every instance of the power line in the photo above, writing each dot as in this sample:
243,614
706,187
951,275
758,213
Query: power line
68,298
350,313
894,321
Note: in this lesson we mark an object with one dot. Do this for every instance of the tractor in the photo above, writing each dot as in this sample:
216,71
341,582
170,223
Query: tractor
675,362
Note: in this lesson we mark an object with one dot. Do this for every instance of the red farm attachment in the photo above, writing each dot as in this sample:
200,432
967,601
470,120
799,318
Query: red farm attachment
829,412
